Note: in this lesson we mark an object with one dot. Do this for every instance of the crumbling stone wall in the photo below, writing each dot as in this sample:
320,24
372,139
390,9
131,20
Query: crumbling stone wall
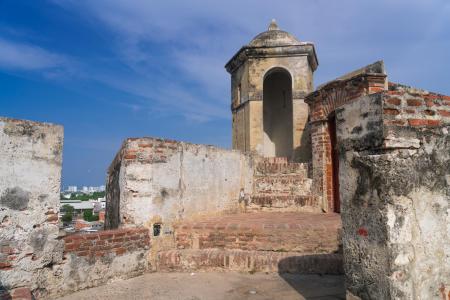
155,181
395,190
34,259
30,179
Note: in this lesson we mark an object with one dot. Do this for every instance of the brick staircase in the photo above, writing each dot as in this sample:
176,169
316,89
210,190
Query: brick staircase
279,185
296,242
280,231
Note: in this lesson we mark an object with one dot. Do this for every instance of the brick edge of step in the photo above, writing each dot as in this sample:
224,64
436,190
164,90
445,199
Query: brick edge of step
282,200
249,261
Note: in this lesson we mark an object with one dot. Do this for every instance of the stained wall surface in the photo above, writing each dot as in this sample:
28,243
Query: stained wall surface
395,192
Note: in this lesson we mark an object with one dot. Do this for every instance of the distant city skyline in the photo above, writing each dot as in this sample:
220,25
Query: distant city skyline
111,70
84,188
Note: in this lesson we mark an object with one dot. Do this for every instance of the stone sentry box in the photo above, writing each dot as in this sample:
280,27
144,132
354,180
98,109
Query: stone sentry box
394,175
270,78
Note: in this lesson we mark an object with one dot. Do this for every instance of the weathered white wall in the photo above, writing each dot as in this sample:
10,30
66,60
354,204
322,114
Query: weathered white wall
164,181
395,193
30,179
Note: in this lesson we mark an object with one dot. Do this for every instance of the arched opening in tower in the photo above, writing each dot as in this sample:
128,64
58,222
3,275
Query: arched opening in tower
277,114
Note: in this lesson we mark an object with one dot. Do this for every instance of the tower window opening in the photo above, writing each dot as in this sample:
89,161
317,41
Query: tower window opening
239,94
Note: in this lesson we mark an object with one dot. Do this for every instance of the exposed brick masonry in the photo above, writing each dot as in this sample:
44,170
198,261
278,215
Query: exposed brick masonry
281,185
405,106
149,150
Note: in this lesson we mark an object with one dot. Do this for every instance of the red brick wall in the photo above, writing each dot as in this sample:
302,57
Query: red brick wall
116,242
405,106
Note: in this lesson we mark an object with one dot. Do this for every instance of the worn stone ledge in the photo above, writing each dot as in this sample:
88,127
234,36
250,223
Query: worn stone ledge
249,261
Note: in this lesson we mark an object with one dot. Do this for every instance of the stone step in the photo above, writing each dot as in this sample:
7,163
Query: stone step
283,160
263,231
266,168
290,184
248,261
281,201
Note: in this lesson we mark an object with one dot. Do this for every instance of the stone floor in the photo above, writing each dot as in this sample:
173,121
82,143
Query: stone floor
217,286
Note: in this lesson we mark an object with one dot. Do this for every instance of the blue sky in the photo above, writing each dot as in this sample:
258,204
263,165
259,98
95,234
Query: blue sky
111,69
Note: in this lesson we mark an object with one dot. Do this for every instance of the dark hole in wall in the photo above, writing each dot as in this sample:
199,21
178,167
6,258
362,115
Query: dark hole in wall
164,193
15,198
156,229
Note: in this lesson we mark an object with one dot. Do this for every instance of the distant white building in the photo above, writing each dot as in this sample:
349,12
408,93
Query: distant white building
86,189
102,201
72,188
78,204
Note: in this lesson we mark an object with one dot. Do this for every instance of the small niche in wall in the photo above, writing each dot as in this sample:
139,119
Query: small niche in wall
156,229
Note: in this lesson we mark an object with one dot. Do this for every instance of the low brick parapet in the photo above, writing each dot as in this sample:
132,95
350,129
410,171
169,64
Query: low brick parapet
100,243
306,233
92,259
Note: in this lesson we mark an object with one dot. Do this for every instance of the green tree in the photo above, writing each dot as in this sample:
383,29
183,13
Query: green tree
89,216
86,197
97,195
67,208
67,217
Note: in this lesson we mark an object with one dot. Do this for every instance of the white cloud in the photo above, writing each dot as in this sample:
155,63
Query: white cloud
22,56
197,37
